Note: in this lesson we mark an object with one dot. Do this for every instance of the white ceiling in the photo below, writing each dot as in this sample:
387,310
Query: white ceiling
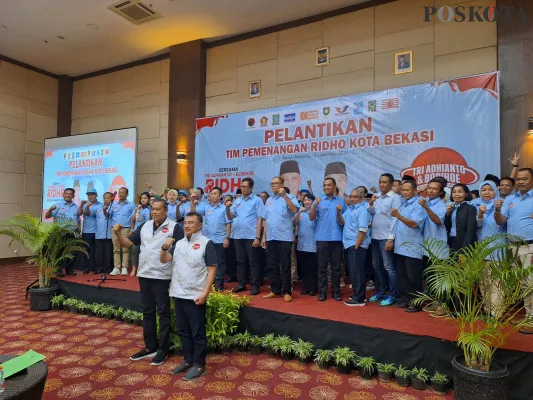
29,23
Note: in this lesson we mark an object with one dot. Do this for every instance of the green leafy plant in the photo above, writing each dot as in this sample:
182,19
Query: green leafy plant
402,372
106,311
440,378
118,312
283,345
175,342
242,339
58,300
256,341
323,356
302,349
420,373
268,341
70,302
129,315
50,244
343,356
222,316
82,305
366,364
387,368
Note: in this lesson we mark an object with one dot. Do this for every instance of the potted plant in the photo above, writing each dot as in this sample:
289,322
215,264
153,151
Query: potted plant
118,312
403,376
323,358
303,350
242,341
464,282
107,311
268,344
283,346
385,372
419,378
175,343
83,307
255,344
227,344
57,301
129,316
344,359
439,382
366,367
70,305
138,318
50,245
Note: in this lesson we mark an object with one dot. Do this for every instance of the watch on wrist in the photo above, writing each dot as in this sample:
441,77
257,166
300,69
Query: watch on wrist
164,248
258,238
515,165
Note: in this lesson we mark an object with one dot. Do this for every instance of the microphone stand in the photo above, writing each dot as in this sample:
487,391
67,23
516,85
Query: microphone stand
104,277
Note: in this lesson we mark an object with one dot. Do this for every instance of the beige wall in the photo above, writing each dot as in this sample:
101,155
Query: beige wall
362,46
135,97
28,115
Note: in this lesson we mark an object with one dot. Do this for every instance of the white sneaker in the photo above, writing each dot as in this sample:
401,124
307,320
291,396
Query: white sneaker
115,271
124,271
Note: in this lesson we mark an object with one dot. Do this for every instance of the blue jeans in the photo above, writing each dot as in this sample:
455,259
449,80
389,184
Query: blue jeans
384,268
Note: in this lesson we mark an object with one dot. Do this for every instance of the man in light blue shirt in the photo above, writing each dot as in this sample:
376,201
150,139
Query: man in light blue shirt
246,213
103,235
278,233
383,259
356,240
434,228
65,211
217,227
89,229
406,236
120,214
517,212
328,238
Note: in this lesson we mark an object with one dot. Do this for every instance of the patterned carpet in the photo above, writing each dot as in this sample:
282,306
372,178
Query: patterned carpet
88,358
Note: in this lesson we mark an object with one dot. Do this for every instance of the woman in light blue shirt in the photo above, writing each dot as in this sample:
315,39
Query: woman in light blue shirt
139,217
305,233
172,201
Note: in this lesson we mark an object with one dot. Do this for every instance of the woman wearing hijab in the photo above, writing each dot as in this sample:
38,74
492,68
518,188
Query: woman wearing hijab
486,227
140,216
172,197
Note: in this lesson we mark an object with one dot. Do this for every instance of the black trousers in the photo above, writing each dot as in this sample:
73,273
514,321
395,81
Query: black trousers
409,276
369,268
279,266
155,298
221,267
355,262
190,325
329,252
231,259
246,262
88,262
309,271
103,255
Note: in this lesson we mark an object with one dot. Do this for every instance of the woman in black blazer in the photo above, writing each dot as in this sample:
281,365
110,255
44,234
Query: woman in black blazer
460,220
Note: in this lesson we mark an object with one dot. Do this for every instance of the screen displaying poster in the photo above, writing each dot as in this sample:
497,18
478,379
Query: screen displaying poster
447,128
104,161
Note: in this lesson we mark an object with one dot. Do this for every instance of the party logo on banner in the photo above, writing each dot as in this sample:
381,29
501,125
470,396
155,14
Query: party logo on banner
441,161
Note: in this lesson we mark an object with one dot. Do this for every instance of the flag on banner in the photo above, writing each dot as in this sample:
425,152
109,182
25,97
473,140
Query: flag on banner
390,103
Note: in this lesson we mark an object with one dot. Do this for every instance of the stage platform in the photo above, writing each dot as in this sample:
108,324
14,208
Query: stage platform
387,333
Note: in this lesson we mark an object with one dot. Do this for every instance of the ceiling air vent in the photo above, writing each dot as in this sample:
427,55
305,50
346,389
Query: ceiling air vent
135,11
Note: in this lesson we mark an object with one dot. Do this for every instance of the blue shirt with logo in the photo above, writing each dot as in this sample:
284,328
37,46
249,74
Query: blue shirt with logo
215,221
121,213
408,241
66,212
328,228
278,218
306,233
103,225
245,212
518,210
145,216
356,219
172,211
434,231
89,221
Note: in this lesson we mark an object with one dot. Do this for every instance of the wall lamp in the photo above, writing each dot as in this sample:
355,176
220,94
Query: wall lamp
181,157
530,127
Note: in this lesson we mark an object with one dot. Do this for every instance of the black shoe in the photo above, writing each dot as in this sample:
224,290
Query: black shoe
72,273
85,272
303,292
321,297
60,274
311,294
353,303
159,358
96,273
254,291
413,309
193,373
181,368
231,279
337,297
144,353
402,304
240,288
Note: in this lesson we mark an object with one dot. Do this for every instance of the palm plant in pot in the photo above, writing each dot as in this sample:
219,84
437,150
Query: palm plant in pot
439,382
50,245
242,340
57,301
323,358
283,347
118,313
403,376
477,287
366,367
419,378
256,344
71,305
385,371
303,350
344,358
268,344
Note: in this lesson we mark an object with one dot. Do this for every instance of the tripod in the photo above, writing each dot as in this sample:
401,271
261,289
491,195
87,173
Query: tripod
104,277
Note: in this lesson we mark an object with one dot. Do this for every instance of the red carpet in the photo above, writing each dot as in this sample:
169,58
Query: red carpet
88,359
372,315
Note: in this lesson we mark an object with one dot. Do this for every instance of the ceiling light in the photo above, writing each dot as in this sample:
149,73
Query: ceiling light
60,37
92,26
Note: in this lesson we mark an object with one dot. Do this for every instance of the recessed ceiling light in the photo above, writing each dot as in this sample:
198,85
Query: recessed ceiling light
91,26
60,37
